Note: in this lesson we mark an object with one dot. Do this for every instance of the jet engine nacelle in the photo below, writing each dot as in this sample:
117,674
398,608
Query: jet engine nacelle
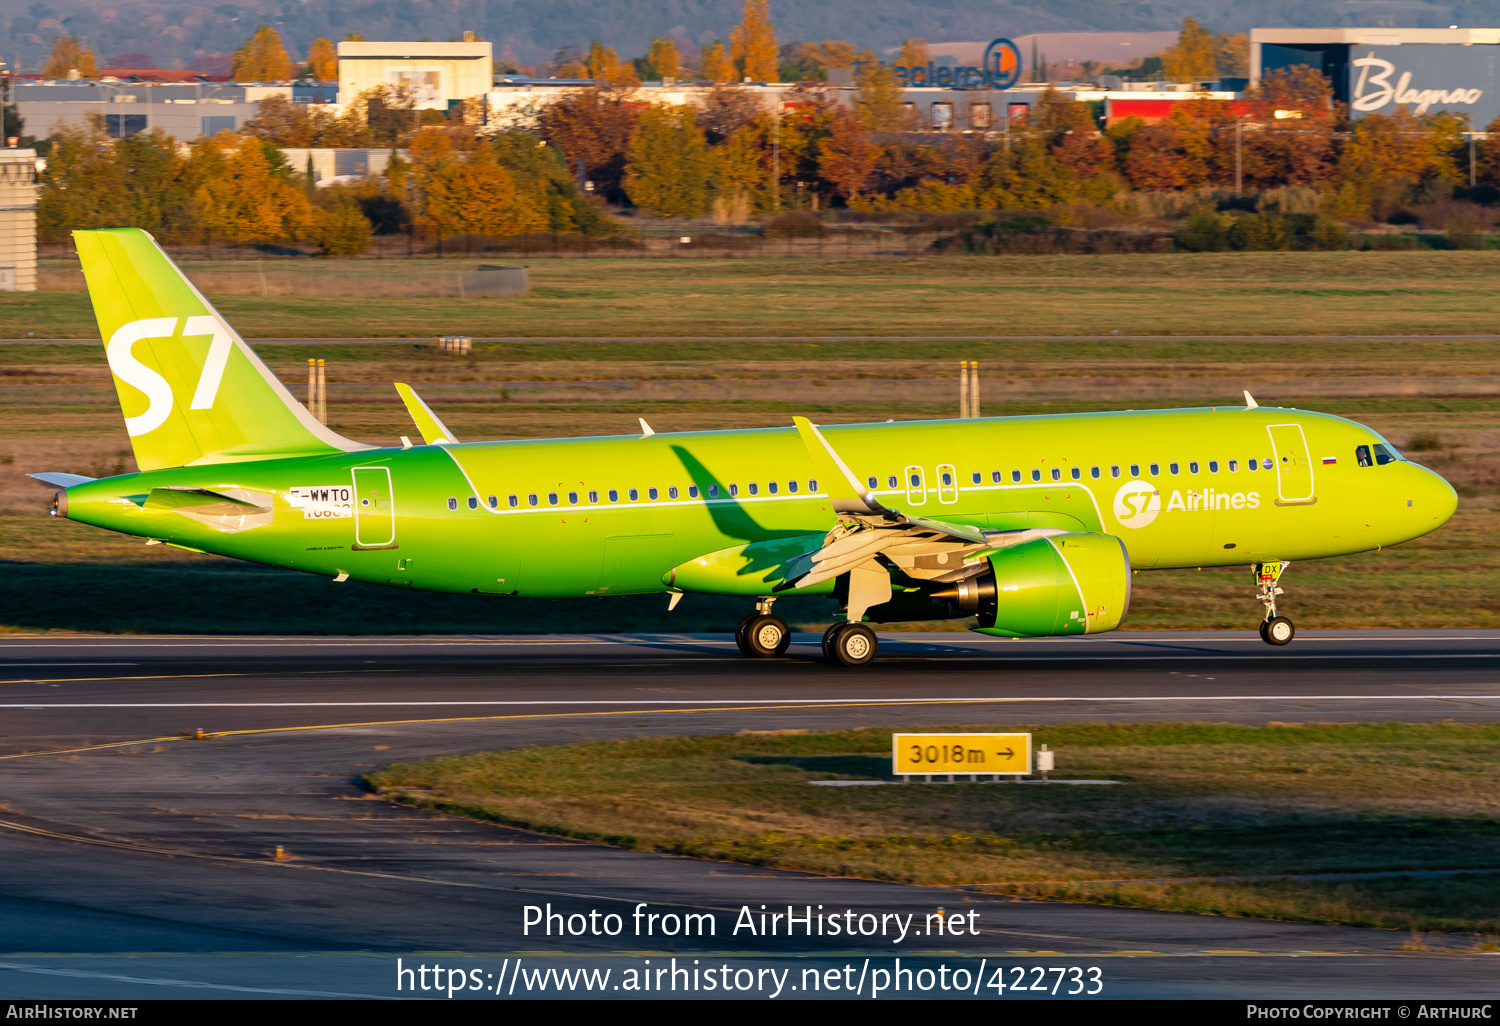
1065,584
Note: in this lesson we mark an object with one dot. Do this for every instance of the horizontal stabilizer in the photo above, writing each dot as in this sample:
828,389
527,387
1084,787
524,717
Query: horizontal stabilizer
201,501
429,425
58,480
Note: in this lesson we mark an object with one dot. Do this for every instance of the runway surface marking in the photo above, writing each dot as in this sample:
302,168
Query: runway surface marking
710,704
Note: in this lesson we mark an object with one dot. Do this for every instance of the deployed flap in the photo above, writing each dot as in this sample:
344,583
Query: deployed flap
837,479
57,480
432,429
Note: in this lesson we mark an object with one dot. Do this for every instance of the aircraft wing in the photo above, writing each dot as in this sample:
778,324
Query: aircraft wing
920,546
429,426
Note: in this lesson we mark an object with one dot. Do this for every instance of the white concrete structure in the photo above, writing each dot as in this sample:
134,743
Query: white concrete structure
17,220
339,163
438,75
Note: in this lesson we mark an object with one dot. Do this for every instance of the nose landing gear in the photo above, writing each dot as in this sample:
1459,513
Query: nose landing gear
1274,629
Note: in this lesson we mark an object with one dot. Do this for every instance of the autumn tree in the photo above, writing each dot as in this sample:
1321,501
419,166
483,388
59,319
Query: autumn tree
543,177
717,67
722,112
246,192
1232,56
280,121
467,192
740,179
95,182
68,54
323,60
830,54
878,102
752,43
262,58
846,159
1027,177
1289,150
593,125
664,58
914,54
1192,59
668,168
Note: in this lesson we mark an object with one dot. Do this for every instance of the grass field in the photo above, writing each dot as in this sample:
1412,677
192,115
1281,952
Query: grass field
1174,294
1200,805
58,411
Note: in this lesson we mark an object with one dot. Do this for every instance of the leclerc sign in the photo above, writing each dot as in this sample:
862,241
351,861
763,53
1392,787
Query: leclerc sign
1000,69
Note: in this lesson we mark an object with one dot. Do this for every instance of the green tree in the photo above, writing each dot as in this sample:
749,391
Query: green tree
668,167
878,102
1027,177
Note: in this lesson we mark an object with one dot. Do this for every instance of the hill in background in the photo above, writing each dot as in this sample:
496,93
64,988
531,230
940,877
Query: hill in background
184,33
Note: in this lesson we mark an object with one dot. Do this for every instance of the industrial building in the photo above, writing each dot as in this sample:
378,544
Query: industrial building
183,110
17,220
1376,70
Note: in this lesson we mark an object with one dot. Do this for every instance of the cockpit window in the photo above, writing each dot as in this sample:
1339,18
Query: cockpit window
1362,456
1384,455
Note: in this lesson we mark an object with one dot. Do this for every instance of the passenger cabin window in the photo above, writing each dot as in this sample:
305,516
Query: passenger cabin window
614,495
874,483
1094,473
996,476
1015,475
713,491
977,477
531,499
1213,466
672,492
734,490
652,494
754,488
1155,469
946,478
452,502
1193,467
893,481
692,491
1036,475
493,502
634,495
593,496
572,498
771,488
1075,473
1114,470
1057,473
473,502
791,487
552,498
1234,466
812,484
512,501
1135,470
1384,455
1252,464
1174,468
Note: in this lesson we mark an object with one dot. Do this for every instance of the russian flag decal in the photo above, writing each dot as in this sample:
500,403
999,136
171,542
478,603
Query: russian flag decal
1330,459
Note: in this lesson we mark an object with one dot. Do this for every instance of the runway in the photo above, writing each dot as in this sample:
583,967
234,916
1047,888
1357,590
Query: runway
139,856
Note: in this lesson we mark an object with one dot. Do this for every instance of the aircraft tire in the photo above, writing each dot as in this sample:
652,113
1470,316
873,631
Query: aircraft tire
740,640
766,636
1278,631
828,636
854,645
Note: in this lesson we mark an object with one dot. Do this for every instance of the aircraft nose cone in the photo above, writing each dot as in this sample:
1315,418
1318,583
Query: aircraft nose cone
1433,499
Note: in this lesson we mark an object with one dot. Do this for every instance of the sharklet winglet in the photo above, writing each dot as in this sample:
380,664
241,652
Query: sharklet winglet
646,431
1250,403
429,425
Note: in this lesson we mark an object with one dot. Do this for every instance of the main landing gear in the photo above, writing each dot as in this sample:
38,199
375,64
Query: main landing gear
850,644
1274,629
763,635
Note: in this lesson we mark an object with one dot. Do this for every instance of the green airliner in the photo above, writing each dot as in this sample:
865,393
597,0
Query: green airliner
1034,525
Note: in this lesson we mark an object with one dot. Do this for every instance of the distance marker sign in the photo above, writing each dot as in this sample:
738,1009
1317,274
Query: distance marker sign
960,753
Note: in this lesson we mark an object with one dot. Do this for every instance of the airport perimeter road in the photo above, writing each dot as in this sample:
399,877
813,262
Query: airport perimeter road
140,863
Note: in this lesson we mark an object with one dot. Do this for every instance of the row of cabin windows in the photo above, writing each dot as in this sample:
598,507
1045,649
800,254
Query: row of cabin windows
634,494
1076,473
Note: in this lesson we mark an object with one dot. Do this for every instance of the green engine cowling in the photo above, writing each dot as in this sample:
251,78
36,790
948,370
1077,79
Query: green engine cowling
1065,584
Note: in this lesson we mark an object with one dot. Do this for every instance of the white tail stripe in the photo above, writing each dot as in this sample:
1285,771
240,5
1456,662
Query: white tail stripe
124,365
214,363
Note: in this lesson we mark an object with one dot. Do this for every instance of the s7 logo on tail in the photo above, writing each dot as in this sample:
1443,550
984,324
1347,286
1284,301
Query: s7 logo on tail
158,391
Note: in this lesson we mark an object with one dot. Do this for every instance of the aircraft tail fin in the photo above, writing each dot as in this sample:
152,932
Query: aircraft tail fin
191,390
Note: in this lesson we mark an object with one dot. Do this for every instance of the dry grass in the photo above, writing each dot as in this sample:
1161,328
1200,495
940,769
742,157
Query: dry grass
1173,294
1200,803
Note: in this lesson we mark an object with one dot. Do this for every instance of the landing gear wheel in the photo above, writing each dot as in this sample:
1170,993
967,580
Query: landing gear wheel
740,640
1278,631
850,644
828,637
764,636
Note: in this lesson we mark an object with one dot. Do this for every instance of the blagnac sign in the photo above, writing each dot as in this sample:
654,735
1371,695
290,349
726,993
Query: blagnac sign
1373,89
1425,78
